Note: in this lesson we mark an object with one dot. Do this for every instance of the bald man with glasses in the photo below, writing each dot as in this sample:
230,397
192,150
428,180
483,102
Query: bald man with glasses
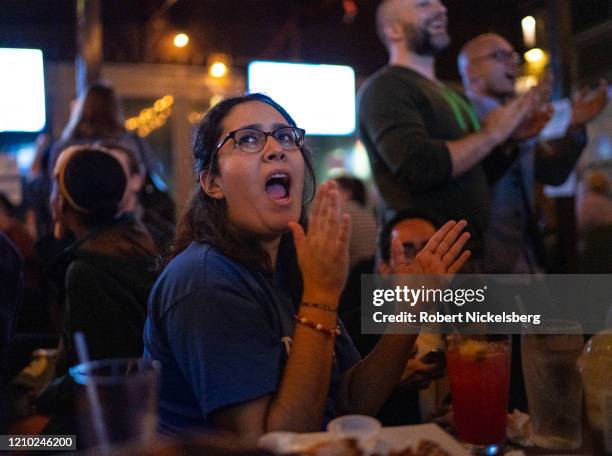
489,67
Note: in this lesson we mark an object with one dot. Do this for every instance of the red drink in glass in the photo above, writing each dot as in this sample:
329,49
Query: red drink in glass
479,373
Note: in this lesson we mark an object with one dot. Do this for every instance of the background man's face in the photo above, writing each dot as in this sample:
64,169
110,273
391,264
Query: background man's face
413,233
496,64
425,26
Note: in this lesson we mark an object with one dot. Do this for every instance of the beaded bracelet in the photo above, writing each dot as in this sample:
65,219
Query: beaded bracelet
319,306
318,326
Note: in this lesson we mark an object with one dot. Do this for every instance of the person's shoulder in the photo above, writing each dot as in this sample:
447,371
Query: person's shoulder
198,269
389,76
390,84
202,257
373,83
82,271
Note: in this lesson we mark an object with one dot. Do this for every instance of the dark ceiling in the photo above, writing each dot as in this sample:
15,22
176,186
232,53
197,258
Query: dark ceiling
300,30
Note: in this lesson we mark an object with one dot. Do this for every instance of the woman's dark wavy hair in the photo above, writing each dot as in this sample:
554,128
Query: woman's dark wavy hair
98,114
205,219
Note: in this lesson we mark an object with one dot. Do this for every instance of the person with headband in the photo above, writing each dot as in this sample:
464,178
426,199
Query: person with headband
111,262
244,317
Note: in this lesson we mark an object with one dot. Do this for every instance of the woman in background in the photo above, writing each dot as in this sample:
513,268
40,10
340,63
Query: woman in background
97,115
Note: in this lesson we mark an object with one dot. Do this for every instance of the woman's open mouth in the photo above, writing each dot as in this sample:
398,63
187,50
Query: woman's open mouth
278,187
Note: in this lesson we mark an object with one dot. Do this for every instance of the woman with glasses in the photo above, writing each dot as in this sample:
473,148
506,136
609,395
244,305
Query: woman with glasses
244,316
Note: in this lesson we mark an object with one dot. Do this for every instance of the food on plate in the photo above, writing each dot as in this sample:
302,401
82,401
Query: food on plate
350,447
424,448
336,447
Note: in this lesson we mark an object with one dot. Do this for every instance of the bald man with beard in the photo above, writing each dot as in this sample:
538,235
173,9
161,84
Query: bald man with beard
489,66
424,141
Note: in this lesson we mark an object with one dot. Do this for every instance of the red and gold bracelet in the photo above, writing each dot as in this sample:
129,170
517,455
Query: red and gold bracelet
319,306
318,326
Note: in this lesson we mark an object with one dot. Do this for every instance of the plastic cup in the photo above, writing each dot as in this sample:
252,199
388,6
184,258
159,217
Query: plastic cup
116,401
362,428
549,355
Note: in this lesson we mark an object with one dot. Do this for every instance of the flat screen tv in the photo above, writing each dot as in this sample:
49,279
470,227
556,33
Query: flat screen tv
321,98
22,90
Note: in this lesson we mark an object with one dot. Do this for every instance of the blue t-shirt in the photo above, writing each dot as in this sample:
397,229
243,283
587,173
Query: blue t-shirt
222,334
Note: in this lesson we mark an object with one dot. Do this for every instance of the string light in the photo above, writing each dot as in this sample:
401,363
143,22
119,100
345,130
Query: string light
151,118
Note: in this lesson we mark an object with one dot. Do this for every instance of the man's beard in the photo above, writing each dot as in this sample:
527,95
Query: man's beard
421,42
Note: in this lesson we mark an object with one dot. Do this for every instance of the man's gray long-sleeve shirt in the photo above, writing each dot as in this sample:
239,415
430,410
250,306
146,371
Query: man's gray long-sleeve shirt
405,121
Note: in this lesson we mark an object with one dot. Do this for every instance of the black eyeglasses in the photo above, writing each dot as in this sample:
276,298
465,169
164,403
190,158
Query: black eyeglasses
501,56
253,140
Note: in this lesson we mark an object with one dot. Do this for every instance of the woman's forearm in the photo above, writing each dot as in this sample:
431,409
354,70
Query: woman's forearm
299,403
368,384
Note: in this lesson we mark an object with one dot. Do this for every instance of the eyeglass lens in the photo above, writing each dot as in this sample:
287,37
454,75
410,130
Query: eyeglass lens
253,140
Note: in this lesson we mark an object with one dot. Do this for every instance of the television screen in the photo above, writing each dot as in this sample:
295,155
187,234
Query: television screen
321,98
22,90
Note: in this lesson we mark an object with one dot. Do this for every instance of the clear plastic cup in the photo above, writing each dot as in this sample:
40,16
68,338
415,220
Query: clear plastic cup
549,355
116,401
362,428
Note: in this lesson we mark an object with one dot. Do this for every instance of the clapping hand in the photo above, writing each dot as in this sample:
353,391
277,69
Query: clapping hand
442,255
587,103
534,124
420,372
542,112
503,121
323,251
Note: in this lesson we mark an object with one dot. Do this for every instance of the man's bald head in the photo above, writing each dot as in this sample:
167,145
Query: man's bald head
488,66
477,47
419,26
386,13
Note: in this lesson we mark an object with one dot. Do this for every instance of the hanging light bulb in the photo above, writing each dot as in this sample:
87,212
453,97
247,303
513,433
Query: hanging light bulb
181,40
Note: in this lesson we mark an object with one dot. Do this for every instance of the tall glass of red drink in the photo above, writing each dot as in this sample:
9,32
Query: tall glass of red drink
479,373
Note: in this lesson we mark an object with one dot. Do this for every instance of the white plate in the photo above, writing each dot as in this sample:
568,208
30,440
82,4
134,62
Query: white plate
394,437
